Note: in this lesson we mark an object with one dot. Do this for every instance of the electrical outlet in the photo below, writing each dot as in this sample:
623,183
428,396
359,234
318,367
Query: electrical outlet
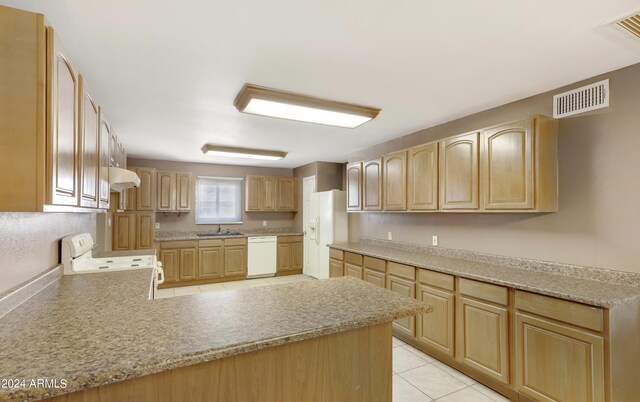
264,223
157,225
389,236
434,240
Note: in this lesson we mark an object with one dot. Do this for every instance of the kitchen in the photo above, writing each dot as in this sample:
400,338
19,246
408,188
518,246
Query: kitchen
492,296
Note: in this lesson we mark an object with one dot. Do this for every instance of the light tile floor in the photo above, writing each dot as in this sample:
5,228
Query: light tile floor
417,377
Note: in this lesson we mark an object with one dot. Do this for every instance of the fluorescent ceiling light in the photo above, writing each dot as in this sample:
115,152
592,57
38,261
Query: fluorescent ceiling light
248,153
286,105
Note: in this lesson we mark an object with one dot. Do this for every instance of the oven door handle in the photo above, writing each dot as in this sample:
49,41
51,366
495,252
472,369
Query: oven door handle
160,273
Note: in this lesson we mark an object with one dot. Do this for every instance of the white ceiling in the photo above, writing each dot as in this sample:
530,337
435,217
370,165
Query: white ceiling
167,72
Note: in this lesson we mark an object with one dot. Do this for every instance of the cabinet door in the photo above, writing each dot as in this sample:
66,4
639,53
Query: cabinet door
459,172
435,329
183,191
354,186
124,231
372,185
89,148
297,257
422,180
286,194
407,288
482,343
166,186
170,264
507,166
395,181
374,277
62,138
270,194
556,362
210,262
352,270
105,137
146,193
253,191
113,149
284,257
144,230
335,268
187,265
130,196
235,260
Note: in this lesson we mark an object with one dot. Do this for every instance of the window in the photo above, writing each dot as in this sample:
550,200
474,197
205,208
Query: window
218,200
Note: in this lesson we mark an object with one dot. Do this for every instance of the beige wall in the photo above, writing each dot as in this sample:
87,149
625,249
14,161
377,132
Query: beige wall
187,222
598,219
30,242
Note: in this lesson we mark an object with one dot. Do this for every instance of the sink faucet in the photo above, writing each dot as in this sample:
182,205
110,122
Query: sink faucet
219,229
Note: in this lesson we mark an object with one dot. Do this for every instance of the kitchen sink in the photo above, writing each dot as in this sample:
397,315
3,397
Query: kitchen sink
219,234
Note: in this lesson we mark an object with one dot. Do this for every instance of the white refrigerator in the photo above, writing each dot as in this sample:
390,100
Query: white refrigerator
328,224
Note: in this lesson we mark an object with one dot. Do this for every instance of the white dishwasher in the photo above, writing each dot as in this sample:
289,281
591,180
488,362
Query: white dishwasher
261,261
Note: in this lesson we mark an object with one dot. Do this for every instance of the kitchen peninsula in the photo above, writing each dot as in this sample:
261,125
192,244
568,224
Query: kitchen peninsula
322,339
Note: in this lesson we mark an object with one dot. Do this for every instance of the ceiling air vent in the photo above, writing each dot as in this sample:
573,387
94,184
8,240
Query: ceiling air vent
630,25
580,100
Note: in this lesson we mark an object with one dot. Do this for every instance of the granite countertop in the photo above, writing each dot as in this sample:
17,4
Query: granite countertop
101,328
592,292
174,236
124,253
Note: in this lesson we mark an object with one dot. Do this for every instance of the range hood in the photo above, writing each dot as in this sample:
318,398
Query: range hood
121,179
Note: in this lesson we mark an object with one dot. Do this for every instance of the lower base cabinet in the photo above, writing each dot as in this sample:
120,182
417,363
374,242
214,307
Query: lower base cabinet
336,268
169,259
435,329
289,255
210,259
188,264
133,230
407,288
352,270
374,277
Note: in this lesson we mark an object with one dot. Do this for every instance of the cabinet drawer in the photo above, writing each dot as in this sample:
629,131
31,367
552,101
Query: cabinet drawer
351,258
401,270
178,244
289,239
485,291
336,254
374,263
437,279
235,241
210,243
562,310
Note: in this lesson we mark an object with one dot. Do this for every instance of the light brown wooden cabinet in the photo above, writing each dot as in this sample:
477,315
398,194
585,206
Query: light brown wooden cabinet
372,185
173,191
436,329
422,177
235,260
459,180
89,154
482,328
394,168
170,264
289,255
336,266
211,261
188,264
179,260
270,193
402,279
133,230
374,277
145,195
354,186
103,171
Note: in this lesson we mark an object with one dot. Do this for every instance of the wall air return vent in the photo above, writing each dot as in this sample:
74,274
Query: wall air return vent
580,100
630,25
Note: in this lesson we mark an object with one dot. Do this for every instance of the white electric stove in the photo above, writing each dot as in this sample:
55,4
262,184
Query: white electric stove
77,258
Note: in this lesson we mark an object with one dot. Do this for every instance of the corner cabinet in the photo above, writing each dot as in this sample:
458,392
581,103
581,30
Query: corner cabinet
372,185
394,167
354,186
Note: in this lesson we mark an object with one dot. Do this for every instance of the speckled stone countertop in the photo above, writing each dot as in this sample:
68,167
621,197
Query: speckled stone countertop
174,236
592,292
97,329
124,253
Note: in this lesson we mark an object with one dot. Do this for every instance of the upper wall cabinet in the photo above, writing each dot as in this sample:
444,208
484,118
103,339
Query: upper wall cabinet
174,191
90,146
394,167
519,166
270,193
422,177
459,172
372,185
53,140
354,186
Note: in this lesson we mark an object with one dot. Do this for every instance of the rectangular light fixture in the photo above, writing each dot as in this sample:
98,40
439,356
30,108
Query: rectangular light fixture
234,152
269,102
